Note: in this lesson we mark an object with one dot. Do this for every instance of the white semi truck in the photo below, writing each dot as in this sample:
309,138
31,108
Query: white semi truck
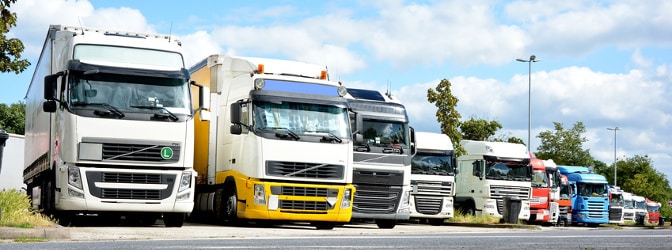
489,174
433,178
109,127
278,147
382,157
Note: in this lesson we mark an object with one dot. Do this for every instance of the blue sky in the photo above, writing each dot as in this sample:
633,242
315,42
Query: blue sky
604,63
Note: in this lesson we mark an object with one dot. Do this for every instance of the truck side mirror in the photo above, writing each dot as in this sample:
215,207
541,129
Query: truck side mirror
359,138
235,110
49,106
50,86
236,129
413,148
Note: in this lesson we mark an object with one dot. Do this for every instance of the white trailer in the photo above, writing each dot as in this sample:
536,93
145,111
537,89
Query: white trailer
433,178
488,174
109,127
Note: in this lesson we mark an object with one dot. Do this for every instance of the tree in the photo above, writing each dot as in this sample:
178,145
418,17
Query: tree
565,147
10,49
446,114
12,118
479,129
637,175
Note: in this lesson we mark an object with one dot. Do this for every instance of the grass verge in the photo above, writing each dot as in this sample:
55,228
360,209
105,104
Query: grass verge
16,211
468,218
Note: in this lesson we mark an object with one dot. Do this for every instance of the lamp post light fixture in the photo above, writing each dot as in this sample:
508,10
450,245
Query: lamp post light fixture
615,167
529,96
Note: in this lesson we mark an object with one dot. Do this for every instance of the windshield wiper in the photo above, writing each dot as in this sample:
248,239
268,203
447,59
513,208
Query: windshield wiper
284,135
167,114
331,137
111,110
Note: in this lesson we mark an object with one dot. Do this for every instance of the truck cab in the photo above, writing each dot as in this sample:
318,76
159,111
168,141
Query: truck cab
616,205
488,174
591,203
433,178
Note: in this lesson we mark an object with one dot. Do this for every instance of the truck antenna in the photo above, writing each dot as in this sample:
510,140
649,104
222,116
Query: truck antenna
388,93
80,24
170,32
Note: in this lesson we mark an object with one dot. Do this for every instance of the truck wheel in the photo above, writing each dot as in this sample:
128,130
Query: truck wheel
436,222
562,223
230,206
174,219
469,209
323,225
386,224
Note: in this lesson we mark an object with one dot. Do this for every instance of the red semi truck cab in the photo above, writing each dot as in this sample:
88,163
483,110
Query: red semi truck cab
653,209
539,204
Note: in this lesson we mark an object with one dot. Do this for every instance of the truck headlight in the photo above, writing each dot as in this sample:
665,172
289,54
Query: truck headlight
74,177
185,182
259,194
347,196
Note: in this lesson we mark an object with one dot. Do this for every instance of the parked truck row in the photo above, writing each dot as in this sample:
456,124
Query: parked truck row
117,126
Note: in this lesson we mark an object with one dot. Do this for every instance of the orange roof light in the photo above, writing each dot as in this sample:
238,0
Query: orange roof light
260,69
323,75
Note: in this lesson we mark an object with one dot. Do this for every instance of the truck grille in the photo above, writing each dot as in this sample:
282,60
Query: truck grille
564,210
429,205
112,193
498,193
615,213
596,209
94,177
304,170
304,205
139,152
440,188
376,199
304,191
132,178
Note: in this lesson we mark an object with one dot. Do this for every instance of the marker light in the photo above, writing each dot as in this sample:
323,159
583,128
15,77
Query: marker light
323,75
342,91
259,84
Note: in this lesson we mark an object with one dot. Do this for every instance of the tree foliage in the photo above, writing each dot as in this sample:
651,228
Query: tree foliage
565,147
10,49
446,114
479,129
12,117
638,176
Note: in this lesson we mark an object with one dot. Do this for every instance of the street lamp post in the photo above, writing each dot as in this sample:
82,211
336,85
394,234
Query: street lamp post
615,167
529,96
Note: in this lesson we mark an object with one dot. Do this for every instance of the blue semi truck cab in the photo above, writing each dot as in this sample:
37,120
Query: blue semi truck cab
590,203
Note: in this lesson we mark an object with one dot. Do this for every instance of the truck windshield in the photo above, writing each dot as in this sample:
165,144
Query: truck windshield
432,164
130,93
507,171
592,189
301,118
566,192
539,179
655,208
640,205
380,133
630,204
616,200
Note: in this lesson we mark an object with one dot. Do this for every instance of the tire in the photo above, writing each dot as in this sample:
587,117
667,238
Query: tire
593,225
323,225
386,224
562,223
174,219
436,222
469,209
230,206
